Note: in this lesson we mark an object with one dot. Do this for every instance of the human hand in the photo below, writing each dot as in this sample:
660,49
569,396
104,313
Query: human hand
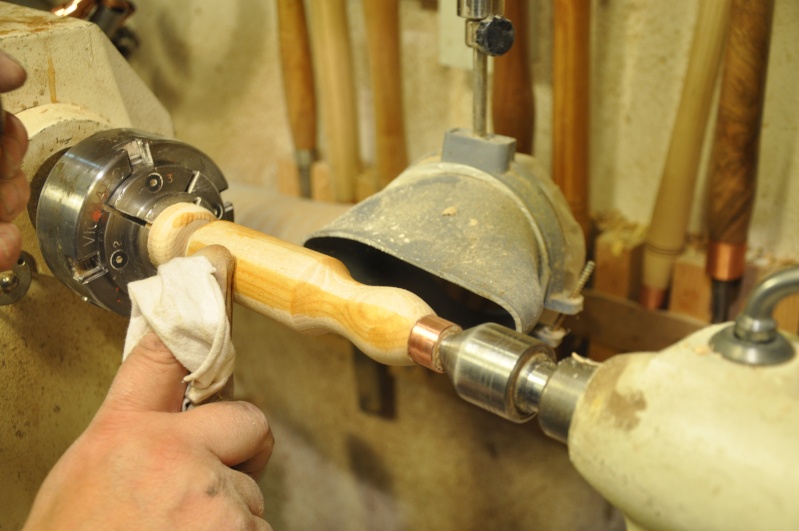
14,188
141,464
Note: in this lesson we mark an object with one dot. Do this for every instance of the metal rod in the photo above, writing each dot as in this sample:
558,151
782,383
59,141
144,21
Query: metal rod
480,104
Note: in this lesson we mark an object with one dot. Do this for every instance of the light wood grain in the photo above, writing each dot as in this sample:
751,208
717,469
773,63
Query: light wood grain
512,104
570,102
620,325
691,288
666,236
298,82
618,255
337,94
737,138
385,73
305,290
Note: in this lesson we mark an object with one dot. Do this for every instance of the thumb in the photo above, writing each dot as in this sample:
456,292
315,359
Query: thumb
12,75
150,379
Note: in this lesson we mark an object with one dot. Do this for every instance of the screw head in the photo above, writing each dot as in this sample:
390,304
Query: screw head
119,259
8,281
154,182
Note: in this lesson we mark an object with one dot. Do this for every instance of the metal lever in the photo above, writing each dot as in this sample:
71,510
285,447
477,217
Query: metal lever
754,338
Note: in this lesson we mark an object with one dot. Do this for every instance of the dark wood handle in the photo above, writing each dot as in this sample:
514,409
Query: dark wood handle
513,107
383,38
735,147
570,72
298,82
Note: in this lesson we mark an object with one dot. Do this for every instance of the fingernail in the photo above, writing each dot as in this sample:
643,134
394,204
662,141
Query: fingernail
10,240
10,197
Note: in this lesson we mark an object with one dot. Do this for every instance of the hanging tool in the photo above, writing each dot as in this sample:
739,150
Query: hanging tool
298,86
735,148
666,236
570,103
385,70
512,103
337,94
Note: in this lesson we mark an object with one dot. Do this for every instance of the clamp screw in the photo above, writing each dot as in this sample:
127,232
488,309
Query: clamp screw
154,182
495,35
119,259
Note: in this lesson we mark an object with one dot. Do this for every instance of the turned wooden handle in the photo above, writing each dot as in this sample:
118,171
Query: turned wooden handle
666,235
385,68
735,148
512,104
337,95
570,104
305,290
298,83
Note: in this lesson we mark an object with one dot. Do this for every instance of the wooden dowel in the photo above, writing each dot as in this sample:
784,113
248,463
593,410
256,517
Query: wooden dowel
305,290
385,69
570,102
666,236
512,104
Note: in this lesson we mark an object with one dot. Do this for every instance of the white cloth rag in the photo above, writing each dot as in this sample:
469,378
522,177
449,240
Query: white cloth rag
184,305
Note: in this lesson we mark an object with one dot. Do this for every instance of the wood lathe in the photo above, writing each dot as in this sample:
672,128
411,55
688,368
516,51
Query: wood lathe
624,421
699,436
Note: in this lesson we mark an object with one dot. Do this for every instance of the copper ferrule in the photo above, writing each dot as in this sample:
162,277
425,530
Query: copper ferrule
425,340
726,261
652,298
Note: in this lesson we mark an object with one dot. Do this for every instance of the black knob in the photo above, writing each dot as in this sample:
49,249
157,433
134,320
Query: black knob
495,35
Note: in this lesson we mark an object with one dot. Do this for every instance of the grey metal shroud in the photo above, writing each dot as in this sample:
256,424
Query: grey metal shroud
480,234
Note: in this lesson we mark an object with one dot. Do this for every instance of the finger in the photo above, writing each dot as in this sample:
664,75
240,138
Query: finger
150,379
12,75
260,524
13,146
10,245
248,490
14,195
236,432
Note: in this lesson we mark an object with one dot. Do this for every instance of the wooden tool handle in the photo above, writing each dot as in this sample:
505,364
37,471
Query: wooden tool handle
305,290
512,104
666,236
383,39
570,84
735,148
337,94
298,83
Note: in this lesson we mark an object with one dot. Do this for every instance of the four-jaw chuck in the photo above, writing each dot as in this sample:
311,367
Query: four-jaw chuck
97,202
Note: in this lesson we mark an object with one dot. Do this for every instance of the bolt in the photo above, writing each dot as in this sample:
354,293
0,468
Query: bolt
588,270
8,281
